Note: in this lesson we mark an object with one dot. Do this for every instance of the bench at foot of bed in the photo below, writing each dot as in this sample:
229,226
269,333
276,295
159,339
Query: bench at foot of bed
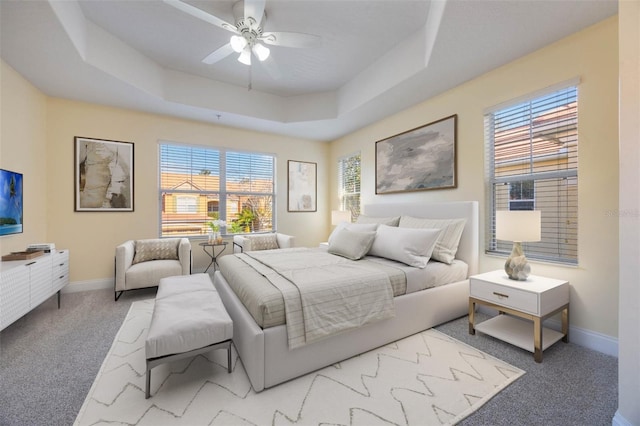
188,319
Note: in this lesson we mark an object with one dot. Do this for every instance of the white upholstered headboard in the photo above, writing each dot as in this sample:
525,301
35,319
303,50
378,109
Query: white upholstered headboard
469,247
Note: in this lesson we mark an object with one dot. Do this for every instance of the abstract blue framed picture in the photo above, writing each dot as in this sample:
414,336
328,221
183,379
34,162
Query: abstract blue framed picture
420,159
11,202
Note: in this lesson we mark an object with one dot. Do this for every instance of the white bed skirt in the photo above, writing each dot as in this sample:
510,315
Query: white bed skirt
268,361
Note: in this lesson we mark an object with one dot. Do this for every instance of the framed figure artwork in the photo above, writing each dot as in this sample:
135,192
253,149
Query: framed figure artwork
302,186
419,159
103,175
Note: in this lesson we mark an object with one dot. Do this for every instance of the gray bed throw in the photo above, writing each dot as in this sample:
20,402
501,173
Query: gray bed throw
323,294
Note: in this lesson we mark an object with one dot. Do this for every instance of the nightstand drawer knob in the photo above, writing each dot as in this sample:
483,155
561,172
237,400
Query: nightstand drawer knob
501,295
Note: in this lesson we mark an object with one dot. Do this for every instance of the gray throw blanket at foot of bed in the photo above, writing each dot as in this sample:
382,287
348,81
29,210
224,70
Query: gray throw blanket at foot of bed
323,294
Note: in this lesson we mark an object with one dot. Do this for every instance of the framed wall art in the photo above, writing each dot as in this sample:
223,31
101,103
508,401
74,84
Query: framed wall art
419,159
103,175
302,185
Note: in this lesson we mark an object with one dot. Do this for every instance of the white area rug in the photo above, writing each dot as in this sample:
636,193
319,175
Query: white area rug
425,379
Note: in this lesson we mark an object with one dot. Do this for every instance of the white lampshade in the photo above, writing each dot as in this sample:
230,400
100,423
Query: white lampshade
238,43
245,57
518,225
261,52
339,216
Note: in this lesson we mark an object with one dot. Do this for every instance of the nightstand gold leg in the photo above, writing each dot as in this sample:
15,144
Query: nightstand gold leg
565,325
472,317
537,339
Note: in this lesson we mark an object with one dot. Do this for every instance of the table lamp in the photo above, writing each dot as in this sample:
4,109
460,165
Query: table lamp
518,226
339,216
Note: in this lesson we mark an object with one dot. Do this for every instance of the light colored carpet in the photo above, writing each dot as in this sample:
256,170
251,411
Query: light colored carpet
425,379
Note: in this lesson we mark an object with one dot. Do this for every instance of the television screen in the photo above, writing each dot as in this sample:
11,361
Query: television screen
10,202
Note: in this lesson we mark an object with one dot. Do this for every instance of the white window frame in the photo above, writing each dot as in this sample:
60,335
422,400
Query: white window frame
345,189
559,223
198,226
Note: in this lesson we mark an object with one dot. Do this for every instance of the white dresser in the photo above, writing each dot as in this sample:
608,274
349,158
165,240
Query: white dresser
24,284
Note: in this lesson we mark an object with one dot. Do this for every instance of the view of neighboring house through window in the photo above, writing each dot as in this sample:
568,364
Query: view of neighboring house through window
349,184
532,164
200,184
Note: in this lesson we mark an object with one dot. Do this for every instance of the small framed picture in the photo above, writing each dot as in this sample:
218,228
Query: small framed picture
103,175
302,186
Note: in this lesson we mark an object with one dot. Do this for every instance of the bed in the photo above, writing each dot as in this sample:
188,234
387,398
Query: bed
265,352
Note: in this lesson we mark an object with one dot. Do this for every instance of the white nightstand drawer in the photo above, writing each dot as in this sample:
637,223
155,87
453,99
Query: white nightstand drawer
505,296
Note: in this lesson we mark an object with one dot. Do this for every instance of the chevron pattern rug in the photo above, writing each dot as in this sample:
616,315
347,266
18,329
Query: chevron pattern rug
425,379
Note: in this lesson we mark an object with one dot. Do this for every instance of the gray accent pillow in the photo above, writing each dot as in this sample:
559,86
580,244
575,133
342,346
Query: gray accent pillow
389,221
156,249
263,242
449,239
351,244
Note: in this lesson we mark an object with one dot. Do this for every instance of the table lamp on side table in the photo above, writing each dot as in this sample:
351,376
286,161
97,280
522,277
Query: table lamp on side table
518,226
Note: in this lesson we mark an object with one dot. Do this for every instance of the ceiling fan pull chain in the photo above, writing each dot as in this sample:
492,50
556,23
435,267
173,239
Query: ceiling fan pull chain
250,76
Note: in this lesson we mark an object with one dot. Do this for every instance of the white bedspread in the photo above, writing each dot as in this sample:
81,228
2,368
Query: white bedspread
323,294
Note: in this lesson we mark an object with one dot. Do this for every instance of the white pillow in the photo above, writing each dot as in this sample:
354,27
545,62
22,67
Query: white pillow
390,221
449,239
358,227
410,246
351,244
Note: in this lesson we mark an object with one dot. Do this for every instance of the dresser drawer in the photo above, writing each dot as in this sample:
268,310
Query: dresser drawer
508,297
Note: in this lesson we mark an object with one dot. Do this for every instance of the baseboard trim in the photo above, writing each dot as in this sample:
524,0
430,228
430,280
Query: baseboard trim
589,339
618,420
88,285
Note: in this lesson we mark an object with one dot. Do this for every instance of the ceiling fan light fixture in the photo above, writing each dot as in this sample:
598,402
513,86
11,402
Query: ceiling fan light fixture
261,52
245,57
238,43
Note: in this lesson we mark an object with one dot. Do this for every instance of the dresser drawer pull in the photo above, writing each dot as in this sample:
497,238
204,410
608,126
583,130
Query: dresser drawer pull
501,295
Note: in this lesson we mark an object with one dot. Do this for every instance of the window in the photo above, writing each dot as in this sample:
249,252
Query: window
521,195
532,163
199,184
349,184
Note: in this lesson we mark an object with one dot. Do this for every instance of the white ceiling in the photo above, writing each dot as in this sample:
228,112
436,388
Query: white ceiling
377,57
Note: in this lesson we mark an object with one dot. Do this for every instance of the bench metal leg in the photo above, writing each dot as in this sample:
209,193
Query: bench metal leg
154,362
147,393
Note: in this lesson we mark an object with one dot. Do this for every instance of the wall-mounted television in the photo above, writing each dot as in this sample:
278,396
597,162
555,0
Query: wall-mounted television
10,202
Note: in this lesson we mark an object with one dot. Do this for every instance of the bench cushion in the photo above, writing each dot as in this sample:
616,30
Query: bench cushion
188,314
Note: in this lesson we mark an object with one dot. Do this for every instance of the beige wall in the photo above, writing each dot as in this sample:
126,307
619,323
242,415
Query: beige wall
39,140
23,149
629,361
591,55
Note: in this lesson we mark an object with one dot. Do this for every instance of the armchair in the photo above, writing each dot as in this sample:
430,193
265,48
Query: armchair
274,240
142,263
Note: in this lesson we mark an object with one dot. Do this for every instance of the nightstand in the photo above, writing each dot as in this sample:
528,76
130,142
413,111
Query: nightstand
525,302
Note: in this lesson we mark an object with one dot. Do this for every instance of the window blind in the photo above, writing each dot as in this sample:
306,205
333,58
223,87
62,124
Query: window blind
200,184
349,184
532,164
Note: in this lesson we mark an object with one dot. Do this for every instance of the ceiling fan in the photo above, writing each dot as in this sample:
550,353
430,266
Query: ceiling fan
248,37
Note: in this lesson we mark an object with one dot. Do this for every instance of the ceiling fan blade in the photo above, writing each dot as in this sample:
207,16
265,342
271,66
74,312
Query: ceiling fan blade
279,38
201,14
219,54
254,9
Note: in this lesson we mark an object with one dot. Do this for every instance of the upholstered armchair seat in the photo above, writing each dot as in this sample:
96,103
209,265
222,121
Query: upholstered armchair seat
275,240
160,258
